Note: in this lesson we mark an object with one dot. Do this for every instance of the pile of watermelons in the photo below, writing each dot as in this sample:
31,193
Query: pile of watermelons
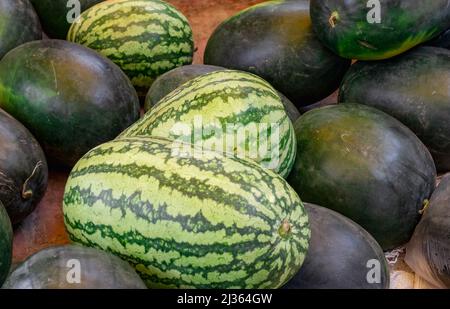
205,190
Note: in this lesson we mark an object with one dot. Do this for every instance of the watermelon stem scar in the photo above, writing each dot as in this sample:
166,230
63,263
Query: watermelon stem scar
333,19
285,228
26,192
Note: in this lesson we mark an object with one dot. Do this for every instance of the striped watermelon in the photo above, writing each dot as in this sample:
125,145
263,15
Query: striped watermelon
208,222
214,111
146,38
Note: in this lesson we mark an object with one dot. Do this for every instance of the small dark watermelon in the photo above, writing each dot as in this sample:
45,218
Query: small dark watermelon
70,97
6,235
428,252
414,88
171,80
341,255
23,169
366,165
73,267
58,15
275,40
18,24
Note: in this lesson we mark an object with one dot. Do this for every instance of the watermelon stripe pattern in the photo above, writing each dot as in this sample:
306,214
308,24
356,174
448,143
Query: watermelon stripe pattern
220,99
145,38
209,222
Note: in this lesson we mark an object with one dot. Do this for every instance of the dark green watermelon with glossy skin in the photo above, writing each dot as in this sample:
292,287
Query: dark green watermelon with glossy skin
70,97
73,267
441,41
6,235
54,14
171,80
352,29
23,169
366,165
275,40
341,255
415,89
18,24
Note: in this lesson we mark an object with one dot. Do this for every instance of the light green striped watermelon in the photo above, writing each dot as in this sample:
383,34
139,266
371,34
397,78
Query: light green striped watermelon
145,38
226,111
183,222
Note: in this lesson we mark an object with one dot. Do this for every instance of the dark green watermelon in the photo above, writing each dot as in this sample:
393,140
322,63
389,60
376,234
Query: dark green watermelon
441,41
376,30
428,252
414,88
23,169
6,235
275,40
58,15
366,165
341,255
73,267
70,97
171,80
18,24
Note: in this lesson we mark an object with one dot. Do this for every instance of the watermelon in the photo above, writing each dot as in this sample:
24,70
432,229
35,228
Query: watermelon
18,24
73,267
228,111
6,235
57,16
366,165
206,222
23,169
171,80
377,30
275,40
70,98
428,252
441,41
415,89
341,255
145,38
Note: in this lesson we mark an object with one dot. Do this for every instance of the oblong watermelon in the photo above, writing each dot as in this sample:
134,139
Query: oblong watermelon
23,169
73,267
375,30
6,235
366,165
145,38
341,255
205,222
19,24
228,111
415,89
70,98
57,16
171,80
275,40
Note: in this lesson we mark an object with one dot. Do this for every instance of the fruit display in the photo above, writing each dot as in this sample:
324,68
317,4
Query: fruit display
350,158
57,16
415,89
373,30
55,268
339,254
221,105
145,38
428,253
68,96
251,144
237,225
6,235
23,169
275,40
18,24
